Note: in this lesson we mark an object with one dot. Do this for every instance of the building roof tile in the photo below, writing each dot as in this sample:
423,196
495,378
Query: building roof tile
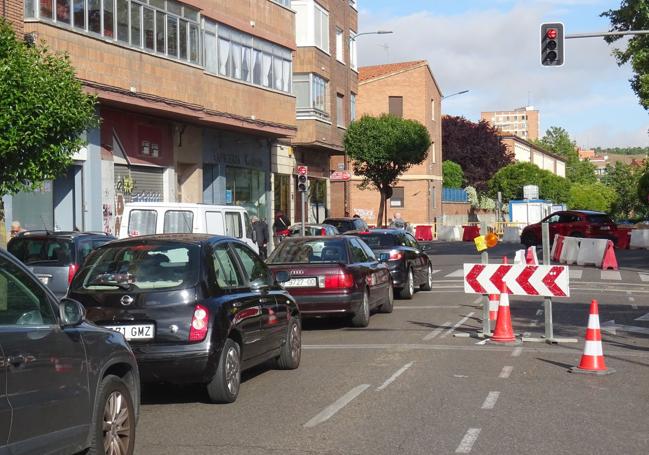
371,72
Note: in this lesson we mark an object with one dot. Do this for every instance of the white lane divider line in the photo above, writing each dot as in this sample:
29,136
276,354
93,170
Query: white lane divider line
506,371
534,323
517,351
490,401
459,323
644,276
611,275
470,437
575,274
634,307
392,378
435,271
539,312
424,307
437,331
456,273
336,406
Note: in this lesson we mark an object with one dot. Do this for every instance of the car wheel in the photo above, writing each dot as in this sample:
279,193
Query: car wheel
428,285
528,239
224,387
409,289
388,305
362,316
289,357
113,423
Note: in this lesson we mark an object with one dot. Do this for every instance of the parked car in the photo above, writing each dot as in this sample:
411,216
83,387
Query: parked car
572,223
66,385
347,224
54,256
311,230
147,218
334,276
196,308
409,265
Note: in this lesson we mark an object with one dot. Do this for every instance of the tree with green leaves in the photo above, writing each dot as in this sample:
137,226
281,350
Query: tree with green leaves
452,174
623,179
43,113
382,148
591,196
633,15
511,179
558,141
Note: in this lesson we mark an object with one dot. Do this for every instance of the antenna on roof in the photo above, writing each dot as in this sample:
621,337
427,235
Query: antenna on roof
386,48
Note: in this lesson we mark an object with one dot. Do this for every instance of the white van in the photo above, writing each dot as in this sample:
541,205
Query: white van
143,218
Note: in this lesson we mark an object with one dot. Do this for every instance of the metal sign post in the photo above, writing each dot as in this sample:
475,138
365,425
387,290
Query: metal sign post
547,301
486,323
302,213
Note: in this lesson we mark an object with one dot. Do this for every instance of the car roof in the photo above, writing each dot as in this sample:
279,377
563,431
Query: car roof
297,225
175,237
319,238
343,218
41,234
379,231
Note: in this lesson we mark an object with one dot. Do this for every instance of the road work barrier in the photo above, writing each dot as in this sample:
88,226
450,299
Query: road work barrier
449,233
511,235
639,238
470,233
581,251
424,233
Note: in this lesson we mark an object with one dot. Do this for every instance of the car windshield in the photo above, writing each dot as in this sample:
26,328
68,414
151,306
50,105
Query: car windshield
310,251
378,241
52,251
600,219
341,225
142,266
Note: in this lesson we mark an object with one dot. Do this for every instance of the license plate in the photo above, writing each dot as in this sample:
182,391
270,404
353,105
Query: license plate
44,279
134,332
605,228
301,283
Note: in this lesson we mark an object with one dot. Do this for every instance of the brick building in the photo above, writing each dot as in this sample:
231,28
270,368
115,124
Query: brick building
194,97
407,90
12,11
527,152
524,122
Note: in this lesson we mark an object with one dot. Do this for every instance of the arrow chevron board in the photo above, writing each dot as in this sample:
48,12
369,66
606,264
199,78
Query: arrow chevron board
520,279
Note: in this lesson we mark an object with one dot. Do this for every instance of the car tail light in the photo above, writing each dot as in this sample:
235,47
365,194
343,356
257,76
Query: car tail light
339,281
72,271
396,255
198,329
323,231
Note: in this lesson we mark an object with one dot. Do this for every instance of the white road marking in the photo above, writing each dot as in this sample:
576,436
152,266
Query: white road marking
506,371
459,323
613,275
391,379
575,274
644,317
437,331
470,437
631,299
539,312
435,271
534,323
477,300
456,273
517,351
336,406
490,401
423,307
644,276
634,307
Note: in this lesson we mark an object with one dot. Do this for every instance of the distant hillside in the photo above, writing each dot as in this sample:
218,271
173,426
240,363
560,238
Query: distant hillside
643,151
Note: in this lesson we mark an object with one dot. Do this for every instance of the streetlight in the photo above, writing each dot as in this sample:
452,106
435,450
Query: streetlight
378,32
456,93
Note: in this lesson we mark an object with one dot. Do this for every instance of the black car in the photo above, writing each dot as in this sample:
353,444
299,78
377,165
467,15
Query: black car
196,308
409,265
55,256
66,385
347,224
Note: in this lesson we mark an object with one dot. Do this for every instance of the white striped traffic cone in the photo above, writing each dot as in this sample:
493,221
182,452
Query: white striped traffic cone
494,301
592,361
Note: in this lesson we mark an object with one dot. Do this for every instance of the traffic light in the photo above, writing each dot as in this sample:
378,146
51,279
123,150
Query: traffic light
302,179
552,44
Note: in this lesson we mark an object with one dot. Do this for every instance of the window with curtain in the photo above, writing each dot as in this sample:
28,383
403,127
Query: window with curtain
224,56
136,27
340,110
79,14
340,49
353,58
122,15
352,107
311,94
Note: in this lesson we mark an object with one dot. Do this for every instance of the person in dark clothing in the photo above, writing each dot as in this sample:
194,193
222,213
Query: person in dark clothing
261,236
281,222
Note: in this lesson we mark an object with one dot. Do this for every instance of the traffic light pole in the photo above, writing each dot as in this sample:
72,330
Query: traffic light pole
602,34
302,213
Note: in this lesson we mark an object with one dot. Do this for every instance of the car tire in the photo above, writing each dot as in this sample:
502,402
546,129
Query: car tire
291,351
528,239
388,305
428,285
114,409
362,316
224,386
409,289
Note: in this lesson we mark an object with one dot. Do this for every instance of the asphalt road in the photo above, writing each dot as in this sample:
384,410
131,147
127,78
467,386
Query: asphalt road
413,382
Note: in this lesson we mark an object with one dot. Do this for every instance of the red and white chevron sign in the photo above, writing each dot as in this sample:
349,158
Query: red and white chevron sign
521,279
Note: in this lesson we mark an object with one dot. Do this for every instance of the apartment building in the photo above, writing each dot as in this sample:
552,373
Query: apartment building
325,84
407,90
194,97
524,122
527,152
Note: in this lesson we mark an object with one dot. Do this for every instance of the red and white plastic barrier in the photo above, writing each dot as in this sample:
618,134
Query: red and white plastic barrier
581,251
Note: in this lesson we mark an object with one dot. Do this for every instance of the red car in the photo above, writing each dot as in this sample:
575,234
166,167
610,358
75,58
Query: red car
572,223
331,276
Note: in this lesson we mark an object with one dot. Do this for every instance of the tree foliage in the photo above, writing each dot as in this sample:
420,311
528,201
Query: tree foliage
633,15
623,179
476,147
382,148
558,141
511,179
43,113
643,188
453,174
622,151
591,196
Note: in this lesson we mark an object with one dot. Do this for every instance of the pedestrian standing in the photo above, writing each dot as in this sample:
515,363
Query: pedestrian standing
261,236
280,226
398,222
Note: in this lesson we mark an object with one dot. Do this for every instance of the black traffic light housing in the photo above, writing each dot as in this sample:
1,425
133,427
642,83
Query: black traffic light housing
552,44
302,183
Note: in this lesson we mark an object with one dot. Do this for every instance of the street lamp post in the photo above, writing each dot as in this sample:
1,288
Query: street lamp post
378,32
462,92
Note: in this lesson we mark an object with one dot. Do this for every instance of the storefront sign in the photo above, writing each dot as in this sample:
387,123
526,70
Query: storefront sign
340,176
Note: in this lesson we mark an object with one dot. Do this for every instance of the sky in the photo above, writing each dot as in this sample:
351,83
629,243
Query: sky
491,48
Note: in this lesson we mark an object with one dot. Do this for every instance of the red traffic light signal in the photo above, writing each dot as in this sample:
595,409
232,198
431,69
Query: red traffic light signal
551,33
552,44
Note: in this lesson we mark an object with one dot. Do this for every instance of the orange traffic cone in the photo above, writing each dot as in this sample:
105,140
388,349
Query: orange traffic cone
504,332
592,361
530,257
609,261
493,306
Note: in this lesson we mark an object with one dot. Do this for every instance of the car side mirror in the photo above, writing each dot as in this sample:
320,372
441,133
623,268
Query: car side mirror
384,257
282,276
71,312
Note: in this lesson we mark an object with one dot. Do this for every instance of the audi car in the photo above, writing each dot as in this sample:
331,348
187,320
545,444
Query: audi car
334,276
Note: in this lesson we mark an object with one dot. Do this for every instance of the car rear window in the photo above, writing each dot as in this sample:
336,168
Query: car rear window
378,241
142,267
599,219
341,225
309,252
50,251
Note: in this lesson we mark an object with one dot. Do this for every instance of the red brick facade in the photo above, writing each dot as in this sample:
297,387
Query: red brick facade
12,10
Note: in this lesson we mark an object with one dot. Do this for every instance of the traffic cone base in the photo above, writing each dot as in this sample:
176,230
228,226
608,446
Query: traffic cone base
592,361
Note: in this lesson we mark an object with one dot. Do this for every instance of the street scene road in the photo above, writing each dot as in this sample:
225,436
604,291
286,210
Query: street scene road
411,383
